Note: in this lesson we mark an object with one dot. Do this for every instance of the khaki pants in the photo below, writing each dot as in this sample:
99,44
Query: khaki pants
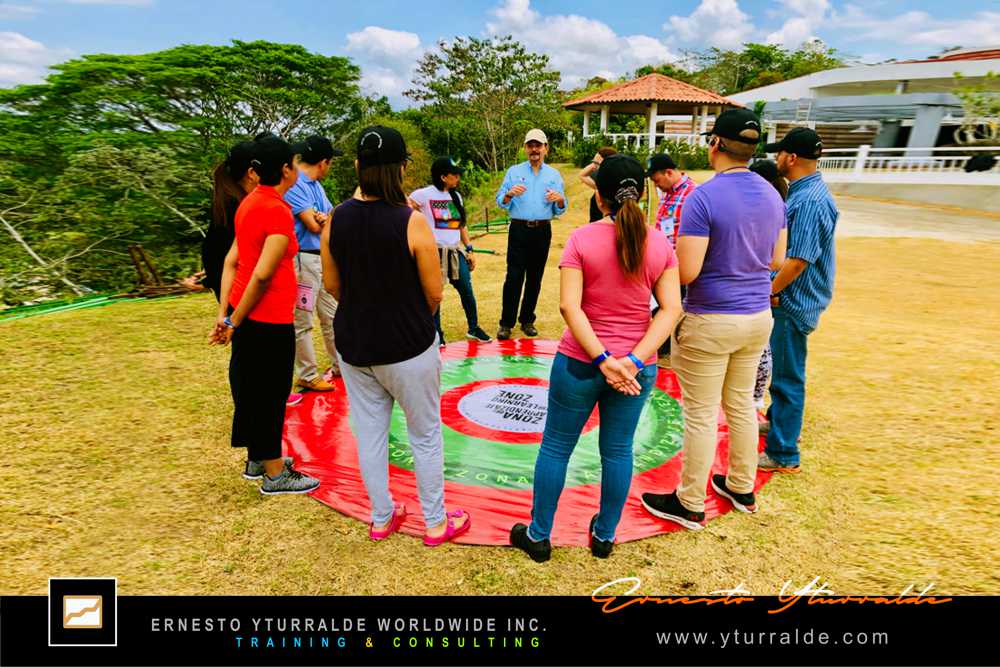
309,271
715,358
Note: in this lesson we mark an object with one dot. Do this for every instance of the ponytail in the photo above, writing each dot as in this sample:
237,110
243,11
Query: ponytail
630,237
225,189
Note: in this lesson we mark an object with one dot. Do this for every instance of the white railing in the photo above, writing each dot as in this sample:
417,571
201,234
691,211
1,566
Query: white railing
907,165
637,139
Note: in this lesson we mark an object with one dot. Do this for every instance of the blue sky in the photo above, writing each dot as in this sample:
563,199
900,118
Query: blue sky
583,37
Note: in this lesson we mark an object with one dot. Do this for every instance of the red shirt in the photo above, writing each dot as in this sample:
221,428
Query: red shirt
262,213
668,216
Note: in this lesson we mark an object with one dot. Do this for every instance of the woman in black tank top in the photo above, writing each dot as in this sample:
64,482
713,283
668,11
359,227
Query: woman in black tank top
380,262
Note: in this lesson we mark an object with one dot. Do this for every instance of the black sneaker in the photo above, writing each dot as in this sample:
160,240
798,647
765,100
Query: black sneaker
441,341
667,506
599,547
744,502
289,481
529,330
503,333
255,469
478,334
539,551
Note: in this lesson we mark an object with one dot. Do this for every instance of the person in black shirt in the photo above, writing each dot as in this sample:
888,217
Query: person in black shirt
587,178
232,179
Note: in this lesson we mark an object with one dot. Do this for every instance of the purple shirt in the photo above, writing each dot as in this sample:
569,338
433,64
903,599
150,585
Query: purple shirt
742,215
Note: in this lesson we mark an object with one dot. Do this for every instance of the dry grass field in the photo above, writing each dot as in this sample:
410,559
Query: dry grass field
114,424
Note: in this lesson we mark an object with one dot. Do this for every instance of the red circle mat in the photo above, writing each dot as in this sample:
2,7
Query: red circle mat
318,435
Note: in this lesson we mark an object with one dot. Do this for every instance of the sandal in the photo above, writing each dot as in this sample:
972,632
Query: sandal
398,516
451,532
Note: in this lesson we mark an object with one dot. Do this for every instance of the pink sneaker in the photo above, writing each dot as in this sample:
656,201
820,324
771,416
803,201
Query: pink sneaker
293,399
397,520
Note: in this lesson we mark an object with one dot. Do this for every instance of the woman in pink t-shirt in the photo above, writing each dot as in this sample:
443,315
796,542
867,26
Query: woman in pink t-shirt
607,356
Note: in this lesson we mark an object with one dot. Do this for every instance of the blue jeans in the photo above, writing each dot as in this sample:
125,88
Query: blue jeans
464,287
574,388
788,389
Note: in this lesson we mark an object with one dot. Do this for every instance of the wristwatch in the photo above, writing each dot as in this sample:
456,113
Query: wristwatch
468,248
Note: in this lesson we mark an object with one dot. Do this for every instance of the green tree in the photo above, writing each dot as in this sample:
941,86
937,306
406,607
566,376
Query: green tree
727,72
117,149
486,92
980,110
195,98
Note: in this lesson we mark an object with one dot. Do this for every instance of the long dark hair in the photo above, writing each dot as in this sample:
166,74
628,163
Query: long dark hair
630,236
620,183
384,181
226,179
768,170
438,180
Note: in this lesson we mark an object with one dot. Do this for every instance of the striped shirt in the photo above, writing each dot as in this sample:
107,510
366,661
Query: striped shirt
812,218
668,215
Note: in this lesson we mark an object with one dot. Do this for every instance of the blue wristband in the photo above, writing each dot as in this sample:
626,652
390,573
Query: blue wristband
636,361
468,248
228,322
600,359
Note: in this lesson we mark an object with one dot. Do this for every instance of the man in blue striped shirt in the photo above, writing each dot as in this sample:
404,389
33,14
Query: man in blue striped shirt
532,192
800,291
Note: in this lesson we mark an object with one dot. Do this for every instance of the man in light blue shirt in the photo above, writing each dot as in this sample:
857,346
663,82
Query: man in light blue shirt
311,209
532,193
800,291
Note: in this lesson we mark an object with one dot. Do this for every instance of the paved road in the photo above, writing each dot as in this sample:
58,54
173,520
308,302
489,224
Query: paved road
868,217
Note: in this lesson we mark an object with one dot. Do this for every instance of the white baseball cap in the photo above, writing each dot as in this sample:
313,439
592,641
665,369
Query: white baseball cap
536,135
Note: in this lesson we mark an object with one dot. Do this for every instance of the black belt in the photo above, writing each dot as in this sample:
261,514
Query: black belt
310,252
530,223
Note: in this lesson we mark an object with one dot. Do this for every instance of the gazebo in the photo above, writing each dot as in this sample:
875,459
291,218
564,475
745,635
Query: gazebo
660,99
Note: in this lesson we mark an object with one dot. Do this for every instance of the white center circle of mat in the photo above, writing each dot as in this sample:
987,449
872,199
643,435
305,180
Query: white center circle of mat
518,408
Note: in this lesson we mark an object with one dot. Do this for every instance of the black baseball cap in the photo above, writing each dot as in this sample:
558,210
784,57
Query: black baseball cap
768,169
378,144
800,140
620,177
739,124
315,149
238,159
270,154
659,162
444,165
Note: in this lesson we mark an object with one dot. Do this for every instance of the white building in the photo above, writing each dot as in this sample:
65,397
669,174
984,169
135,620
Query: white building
909,103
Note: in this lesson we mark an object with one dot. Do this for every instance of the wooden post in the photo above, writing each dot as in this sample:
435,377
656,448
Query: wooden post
653,111
703,122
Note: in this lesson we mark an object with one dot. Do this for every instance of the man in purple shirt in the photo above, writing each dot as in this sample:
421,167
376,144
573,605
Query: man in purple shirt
732,234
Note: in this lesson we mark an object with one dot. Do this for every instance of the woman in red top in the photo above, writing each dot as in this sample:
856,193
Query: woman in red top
256,312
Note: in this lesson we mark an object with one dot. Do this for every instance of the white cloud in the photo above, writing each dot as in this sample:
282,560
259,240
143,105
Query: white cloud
808,15
719,23
577,46
387,59
917,28
11,12
23,60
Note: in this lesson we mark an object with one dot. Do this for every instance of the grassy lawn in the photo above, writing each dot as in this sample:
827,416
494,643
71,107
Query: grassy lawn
115,421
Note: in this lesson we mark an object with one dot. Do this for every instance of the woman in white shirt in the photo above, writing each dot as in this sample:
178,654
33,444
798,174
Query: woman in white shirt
442,205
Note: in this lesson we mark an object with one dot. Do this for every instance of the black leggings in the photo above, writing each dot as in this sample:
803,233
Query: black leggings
260,374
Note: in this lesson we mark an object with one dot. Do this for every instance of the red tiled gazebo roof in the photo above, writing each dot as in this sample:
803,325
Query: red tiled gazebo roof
652,88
